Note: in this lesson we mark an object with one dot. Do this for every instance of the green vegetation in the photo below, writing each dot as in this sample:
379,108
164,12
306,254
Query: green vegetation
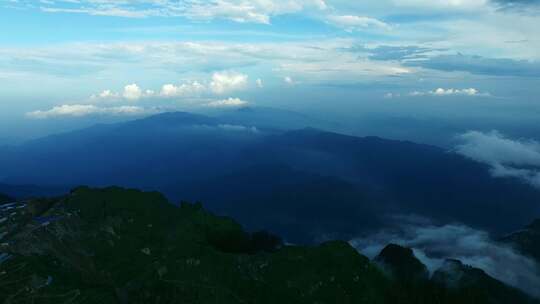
124,246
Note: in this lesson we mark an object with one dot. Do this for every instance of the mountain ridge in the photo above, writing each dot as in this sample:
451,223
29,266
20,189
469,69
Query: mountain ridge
194,156
115,245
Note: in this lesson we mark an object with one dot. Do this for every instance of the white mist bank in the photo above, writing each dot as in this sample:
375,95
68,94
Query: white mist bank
432,244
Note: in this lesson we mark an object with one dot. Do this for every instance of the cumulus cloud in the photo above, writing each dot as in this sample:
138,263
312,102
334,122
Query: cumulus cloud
440,92
230,102
507,157
221,83
450,92
224,82
353,23
106,94
85,110
259,83
182,90
432,244
132,92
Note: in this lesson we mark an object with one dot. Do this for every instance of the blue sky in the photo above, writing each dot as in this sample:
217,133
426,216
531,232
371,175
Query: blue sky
117,58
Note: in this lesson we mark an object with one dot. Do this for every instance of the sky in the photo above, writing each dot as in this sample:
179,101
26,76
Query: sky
474,63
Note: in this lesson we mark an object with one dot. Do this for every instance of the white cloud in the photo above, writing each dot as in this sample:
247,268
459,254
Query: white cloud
65,110
224,82
318,61
230,102
106,94
239,128
507,157
239,12
102,11
354,23
530,176
442,92
492,27
288,80
493,147
85,110
444,4
182,90
259,83
132,92
340,67
254,11
450,92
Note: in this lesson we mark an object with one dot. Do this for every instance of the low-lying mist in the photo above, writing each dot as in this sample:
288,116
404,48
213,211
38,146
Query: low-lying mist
433,243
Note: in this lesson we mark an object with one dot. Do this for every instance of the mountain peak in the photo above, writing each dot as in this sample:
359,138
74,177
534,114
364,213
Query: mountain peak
402,264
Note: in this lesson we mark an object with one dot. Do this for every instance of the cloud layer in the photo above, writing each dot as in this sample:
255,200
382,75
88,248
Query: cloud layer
193,49
230,102
85,110
450,92
242,11
507,157
221,83
442,92
432,244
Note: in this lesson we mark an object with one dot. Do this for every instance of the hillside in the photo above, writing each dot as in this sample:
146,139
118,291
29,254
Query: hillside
125,246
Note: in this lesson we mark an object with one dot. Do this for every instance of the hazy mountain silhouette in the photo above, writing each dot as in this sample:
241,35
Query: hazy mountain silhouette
304,184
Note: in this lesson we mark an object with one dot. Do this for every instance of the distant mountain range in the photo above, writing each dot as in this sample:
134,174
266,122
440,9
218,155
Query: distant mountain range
304,184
